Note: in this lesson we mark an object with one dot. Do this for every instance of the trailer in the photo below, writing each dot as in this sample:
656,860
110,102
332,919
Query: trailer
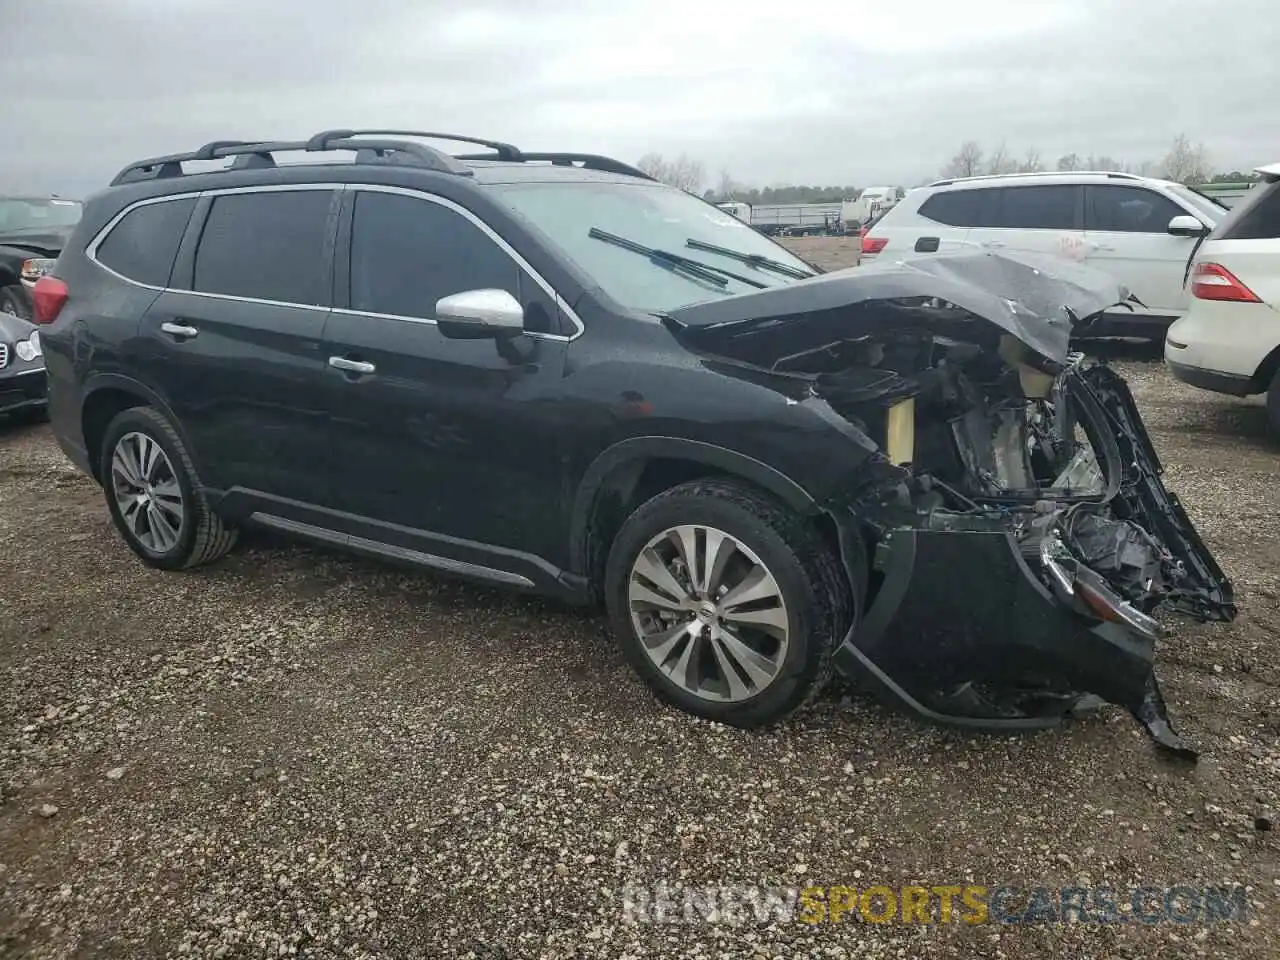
796,219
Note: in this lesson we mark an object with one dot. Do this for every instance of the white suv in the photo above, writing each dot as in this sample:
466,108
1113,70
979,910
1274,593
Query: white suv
1140,230
1229,341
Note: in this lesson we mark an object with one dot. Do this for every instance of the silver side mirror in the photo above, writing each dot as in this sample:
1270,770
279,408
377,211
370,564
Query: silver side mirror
479,315
1186,225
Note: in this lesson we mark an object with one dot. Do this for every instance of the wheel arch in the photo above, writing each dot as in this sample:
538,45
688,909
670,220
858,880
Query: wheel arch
105,396
634,470
1266,371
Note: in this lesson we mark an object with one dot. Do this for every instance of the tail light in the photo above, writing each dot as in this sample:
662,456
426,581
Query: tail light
1212,281
873,244
47,299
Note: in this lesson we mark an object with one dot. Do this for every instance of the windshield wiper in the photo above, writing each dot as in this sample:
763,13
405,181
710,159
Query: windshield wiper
754,259
703,271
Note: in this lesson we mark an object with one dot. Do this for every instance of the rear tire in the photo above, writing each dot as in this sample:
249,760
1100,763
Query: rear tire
154,496
715,652
1273,403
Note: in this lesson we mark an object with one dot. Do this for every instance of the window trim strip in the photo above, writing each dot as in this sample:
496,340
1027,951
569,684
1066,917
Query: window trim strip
91,251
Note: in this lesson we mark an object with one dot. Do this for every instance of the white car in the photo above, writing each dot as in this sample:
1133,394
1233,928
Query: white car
1229,341
1141,231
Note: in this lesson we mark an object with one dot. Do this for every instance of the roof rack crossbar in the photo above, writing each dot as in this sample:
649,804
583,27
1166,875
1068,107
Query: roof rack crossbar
257,154
418,154
209,150
505,151
424,156
590,161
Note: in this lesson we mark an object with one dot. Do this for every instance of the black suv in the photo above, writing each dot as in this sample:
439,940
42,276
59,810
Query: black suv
551,372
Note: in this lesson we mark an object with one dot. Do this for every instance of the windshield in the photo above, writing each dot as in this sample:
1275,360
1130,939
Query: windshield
656,217
33,214
1205,205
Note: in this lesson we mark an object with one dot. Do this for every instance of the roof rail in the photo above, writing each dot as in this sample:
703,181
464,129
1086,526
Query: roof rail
251,154
1115,174
505,151
258,154
589,161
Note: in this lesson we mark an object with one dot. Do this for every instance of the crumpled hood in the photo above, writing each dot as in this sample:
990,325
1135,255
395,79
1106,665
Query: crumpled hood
48,240
1036,299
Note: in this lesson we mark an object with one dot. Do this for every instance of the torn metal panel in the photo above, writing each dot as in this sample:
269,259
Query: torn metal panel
1020,539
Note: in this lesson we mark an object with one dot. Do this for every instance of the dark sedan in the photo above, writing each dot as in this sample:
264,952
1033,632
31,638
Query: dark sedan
22,376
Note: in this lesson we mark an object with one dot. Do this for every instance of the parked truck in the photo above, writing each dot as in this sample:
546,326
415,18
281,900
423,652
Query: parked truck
871,204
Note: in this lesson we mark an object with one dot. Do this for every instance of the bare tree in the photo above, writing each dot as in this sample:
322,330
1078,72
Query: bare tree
1031,163
687,173
1069,162
1002,161
683,172
1145,168
1186,163
1104,163
967,162
728,186
654,164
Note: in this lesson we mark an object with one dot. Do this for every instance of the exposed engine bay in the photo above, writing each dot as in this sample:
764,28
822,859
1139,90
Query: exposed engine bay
992,437
1013,532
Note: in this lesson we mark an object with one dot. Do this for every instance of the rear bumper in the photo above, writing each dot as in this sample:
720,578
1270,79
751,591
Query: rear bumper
1214,380
1220,345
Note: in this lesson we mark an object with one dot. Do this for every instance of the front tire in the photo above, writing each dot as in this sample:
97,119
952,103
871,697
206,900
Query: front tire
728,604
154,495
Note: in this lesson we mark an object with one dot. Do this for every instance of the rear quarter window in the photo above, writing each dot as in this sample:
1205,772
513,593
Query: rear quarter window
143,245
1256,217
955,208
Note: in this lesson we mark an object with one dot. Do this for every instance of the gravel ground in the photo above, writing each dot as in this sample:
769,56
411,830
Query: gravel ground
295,752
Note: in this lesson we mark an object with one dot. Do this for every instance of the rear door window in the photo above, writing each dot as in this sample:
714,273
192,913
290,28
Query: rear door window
1118,209
143,245
268,245
1046,207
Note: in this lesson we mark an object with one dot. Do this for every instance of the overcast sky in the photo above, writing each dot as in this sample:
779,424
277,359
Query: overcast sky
826,91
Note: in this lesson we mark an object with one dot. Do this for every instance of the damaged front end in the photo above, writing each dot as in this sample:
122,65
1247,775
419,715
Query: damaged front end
1014,536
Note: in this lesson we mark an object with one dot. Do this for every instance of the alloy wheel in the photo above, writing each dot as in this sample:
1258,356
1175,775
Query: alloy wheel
147,492
708,613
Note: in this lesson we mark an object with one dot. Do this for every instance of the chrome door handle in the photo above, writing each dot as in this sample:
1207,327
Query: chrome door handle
352,366
178,329
993,243
1102,246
